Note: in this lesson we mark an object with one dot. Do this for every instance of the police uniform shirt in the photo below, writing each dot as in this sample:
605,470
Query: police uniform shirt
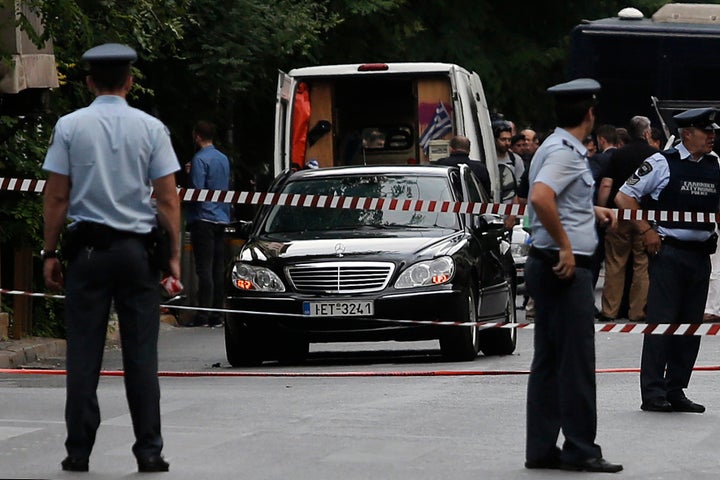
650,179
561,164
111,152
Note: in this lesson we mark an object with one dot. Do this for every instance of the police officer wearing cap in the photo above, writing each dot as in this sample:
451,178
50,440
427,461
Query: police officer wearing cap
558,274
103,161
684,178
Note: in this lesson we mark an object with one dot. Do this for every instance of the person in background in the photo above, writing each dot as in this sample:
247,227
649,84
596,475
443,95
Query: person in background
519,146
561,393
460,153
657,139
590,145
623,137
206,223
103,161
624,241
685,178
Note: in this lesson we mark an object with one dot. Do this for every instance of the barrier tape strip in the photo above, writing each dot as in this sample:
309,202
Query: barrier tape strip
686,329
373,203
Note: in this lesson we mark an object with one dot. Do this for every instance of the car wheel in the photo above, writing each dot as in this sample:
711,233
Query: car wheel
461,344
501,341
244,346
293,350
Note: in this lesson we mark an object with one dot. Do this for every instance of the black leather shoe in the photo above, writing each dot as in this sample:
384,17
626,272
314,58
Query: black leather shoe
75,464
155,463
658,405
604,319
593,465
684,404
552,462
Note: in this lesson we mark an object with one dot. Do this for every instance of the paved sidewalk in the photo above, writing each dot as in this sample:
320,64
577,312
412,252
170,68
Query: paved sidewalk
16,353
31,350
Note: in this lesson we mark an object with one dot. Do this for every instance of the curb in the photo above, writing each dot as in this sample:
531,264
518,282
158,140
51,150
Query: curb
16,353
29,350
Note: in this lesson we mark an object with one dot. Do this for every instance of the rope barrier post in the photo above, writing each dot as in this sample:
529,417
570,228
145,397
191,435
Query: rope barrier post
22,306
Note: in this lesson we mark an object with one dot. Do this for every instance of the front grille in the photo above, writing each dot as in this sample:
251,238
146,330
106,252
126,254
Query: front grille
340,277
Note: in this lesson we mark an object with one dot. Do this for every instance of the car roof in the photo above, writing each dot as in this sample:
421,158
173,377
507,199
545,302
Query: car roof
424,170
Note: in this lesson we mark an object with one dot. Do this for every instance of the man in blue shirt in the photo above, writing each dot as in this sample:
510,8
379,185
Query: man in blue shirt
210,169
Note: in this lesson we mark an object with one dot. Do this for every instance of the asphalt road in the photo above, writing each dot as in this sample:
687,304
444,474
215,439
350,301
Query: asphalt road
421,418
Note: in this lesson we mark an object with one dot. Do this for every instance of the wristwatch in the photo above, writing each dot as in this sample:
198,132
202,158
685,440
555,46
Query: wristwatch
45,254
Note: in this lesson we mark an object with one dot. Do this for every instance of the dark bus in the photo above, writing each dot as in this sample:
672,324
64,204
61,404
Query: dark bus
655,66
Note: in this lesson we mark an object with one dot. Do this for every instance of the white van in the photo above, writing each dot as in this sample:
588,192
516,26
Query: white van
382,113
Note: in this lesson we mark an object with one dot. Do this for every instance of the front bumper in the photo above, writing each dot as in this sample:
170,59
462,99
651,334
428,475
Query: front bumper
286,314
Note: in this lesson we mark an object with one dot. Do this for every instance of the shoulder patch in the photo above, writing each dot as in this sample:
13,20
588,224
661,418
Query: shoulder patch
633,179
644,169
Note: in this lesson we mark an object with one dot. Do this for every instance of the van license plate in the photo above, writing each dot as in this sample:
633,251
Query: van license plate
339,309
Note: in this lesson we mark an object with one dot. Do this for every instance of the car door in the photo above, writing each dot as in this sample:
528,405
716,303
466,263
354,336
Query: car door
486,235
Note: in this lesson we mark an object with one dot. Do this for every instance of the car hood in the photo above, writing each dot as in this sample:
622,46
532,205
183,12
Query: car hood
261,248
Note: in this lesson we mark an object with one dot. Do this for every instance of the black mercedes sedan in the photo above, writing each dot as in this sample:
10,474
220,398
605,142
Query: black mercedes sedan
309,274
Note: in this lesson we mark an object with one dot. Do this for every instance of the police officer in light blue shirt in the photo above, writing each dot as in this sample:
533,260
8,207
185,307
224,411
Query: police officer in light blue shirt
558,274
684,178
103,162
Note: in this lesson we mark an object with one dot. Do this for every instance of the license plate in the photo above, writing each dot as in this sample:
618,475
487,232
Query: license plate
342,308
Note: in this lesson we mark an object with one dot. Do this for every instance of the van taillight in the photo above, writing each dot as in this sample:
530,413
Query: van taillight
412,161
372,67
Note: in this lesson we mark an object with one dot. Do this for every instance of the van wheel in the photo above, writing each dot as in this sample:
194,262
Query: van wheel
461,344
244,346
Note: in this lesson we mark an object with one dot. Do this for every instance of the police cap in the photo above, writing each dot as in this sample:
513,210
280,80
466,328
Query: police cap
110,53
702,118
578,88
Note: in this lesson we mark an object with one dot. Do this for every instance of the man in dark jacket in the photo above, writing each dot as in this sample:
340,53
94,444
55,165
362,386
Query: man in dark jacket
460,153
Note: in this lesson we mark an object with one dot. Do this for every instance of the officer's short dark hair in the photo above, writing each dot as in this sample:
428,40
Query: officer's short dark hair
205,130
499,126
570,110
109,75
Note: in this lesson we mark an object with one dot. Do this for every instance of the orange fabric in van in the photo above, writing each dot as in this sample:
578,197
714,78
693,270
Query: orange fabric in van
300,124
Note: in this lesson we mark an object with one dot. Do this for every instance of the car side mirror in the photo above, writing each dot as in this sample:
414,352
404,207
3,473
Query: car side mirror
488,222
240,229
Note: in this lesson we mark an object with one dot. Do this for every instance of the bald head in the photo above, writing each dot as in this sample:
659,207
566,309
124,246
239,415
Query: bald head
459,144
532,140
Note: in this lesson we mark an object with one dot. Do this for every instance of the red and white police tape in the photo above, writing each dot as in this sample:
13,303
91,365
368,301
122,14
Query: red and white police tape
371,203
706,329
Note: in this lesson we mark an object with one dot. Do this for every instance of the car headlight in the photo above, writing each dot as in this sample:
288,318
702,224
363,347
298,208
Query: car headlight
261,279
431,272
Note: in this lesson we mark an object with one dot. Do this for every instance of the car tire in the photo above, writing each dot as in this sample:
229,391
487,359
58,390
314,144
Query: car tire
293,350
244,346
461,344
501,341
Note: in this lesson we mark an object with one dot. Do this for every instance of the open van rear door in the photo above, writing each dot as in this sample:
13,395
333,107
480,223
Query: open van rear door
283,110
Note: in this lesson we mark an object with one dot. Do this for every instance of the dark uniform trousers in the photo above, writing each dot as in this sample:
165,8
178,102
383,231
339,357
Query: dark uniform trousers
94,278
561,387
679,280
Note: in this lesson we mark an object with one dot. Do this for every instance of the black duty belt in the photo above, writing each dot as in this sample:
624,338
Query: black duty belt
552,257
